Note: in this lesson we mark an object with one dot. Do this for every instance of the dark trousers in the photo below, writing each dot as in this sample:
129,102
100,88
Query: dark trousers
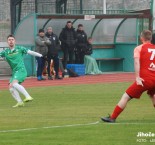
68,52
40,65
56,64
79,57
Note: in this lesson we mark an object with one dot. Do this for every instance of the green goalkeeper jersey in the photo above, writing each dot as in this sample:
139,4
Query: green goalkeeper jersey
15,57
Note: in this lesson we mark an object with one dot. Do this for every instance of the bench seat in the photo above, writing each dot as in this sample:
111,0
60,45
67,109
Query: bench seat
109,59
116,62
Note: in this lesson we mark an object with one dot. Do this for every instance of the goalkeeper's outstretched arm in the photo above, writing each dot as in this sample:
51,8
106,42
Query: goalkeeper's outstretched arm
34,53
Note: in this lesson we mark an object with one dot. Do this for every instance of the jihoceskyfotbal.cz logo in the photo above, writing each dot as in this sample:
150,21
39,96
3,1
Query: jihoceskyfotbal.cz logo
146,137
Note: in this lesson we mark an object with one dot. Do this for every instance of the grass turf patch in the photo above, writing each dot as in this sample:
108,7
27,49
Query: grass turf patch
73,105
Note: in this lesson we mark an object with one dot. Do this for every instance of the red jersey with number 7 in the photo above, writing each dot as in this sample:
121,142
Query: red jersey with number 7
146,54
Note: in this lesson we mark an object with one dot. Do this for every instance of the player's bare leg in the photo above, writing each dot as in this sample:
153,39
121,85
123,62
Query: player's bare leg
124,100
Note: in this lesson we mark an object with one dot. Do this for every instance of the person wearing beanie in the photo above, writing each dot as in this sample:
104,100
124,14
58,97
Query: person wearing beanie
42,43
53,50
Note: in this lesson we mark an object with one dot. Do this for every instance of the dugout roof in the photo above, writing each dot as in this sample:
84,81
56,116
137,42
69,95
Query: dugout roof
27,16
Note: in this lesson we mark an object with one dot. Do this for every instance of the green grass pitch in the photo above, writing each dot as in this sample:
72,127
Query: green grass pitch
70,115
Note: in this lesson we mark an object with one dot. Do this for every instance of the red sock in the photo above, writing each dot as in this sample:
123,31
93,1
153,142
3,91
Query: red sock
116,112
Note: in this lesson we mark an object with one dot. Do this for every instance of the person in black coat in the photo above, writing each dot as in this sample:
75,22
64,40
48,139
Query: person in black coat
81,45
68,40
53,53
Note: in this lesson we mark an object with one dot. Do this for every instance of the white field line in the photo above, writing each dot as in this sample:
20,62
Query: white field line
74,125
48,127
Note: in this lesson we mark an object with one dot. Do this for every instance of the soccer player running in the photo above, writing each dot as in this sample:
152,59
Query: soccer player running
144,63
14,56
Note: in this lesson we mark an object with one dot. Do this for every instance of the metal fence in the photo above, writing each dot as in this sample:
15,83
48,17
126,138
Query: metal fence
5,29
4,19
72,7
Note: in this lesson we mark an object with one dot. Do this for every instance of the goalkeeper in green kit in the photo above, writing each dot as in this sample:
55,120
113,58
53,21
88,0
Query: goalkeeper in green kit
14,56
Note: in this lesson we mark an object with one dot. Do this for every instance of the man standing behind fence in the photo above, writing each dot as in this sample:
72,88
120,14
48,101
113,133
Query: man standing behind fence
81,45
53,53
42,43
68,40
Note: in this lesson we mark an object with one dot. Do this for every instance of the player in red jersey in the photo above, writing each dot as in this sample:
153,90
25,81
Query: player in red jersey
144,63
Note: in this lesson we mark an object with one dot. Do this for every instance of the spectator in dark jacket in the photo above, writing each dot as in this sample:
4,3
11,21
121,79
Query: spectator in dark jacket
68,40
53,53
42,43
81,45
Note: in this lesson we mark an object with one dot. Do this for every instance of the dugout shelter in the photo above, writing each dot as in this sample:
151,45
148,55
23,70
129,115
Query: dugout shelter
114,27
